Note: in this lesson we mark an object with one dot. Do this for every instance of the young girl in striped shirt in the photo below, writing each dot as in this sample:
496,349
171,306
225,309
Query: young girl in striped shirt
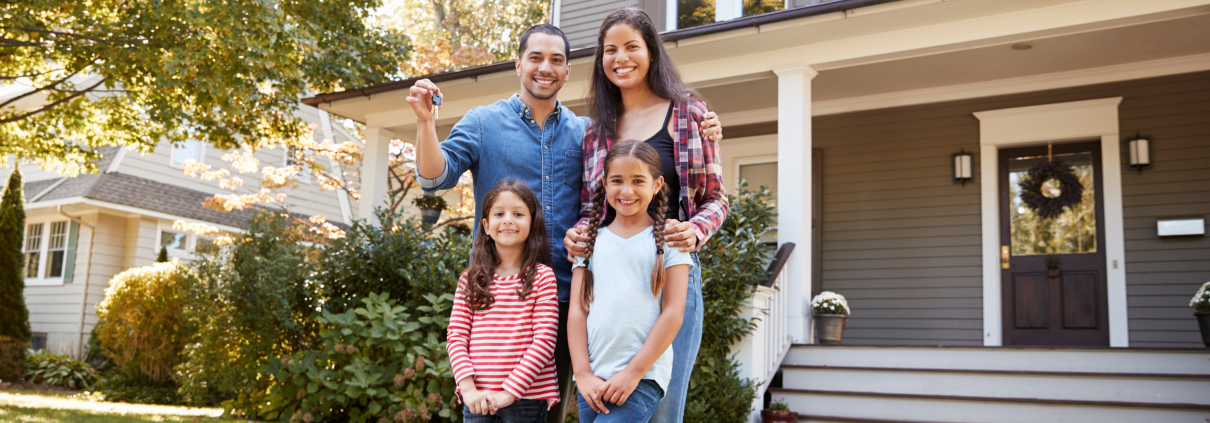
501,338
628,296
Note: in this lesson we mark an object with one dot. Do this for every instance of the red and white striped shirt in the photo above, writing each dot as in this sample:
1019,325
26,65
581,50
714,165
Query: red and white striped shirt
509,346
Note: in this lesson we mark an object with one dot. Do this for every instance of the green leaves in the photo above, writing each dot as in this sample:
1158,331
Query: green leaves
137,72
58,370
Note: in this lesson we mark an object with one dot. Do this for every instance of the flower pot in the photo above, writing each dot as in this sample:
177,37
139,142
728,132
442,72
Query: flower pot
767,416
1203,322
829,328
430,215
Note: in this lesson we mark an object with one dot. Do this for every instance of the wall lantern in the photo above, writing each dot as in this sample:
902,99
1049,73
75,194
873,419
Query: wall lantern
962,167
1140,152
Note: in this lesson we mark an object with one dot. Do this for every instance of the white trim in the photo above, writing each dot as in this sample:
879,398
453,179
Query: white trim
1040,124
48,190
1139,70
342,195
185,252
556,12
670,15
155,214
117,161
44,249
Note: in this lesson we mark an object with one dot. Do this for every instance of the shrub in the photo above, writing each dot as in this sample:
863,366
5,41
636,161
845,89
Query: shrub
250,302
58,370
12,358
732,265
142,327
116,387
378,360
430,201
402,258
14,317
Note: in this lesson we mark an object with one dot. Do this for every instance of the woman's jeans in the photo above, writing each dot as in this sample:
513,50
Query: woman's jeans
684,352
520,411
637,409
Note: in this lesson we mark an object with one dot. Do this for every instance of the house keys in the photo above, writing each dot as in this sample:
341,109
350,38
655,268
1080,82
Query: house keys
436,109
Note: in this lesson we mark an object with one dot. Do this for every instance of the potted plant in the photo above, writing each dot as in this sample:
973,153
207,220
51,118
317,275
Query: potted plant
1201,303
430,207
778,411
831,312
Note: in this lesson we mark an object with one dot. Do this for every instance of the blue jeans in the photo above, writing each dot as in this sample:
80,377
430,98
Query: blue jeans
637,409
684,351
520,411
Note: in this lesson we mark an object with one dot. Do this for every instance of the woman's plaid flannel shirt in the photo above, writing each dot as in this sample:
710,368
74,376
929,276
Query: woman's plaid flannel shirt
703,196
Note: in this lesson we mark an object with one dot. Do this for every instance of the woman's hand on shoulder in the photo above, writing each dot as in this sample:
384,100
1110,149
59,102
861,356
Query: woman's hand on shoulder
680,235
572,241
711,128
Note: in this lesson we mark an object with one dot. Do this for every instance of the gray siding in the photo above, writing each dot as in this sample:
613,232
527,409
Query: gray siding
581,19
902,242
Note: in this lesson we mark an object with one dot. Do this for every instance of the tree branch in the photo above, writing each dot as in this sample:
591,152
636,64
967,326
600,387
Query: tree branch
56,103
47,86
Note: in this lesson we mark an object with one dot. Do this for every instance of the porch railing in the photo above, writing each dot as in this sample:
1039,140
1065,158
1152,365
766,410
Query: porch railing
761,353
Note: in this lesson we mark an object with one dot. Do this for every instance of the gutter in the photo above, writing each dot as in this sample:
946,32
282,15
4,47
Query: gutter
670,36
92,237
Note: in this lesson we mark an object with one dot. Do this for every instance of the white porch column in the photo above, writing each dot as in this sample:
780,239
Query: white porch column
374,166
794,190
725,10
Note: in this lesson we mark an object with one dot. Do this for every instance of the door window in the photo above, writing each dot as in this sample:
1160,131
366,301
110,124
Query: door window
1074,231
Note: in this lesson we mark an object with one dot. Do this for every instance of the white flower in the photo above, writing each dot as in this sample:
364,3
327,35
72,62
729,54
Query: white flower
1203,294
828,301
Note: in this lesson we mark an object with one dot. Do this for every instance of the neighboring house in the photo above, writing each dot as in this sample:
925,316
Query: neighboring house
854,112
131,206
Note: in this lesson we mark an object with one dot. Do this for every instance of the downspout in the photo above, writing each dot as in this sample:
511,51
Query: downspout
92,236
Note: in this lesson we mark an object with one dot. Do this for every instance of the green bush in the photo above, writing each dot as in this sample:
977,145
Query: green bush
58,370
402,258
377,361
733,264
116,387
141,320
12,359
250,302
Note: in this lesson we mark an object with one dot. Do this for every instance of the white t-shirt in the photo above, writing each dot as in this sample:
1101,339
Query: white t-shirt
623,310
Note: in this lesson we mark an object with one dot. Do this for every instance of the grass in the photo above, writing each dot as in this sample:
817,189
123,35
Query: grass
19,405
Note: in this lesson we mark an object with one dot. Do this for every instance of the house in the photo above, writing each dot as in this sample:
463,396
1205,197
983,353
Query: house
131,206
895,135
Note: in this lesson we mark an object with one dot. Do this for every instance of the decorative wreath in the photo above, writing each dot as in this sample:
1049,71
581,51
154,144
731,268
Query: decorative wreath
1070,189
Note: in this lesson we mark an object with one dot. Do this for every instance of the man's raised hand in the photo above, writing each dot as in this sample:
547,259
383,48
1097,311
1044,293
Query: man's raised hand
421,98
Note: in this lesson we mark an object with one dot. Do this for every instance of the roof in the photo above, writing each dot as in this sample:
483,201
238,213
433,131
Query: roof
668,36
141,193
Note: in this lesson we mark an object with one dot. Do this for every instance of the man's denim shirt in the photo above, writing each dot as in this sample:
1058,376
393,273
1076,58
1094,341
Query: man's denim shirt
502,141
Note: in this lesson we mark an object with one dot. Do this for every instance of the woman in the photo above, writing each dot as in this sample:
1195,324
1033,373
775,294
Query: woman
638,94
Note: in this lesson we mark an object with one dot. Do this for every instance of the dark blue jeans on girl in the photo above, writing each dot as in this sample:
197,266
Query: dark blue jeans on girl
520,411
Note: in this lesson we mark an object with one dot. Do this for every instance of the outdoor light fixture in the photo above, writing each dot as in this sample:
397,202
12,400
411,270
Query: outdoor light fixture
1140,152
962,167
1022,46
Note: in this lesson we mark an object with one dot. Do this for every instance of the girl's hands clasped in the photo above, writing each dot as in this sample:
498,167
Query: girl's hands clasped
477,401
591,388
619,387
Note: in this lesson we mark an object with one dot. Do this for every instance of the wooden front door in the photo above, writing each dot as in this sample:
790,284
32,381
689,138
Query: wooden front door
1054,287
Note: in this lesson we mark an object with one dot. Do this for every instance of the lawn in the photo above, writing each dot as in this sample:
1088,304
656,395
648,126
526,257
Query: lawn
38,406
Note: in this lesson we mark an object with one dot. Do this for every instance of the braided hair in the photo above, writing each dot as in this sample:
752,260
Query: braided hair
646,154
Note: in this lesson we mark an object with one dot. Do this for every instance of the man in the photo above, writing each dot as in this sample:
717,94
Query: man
531,137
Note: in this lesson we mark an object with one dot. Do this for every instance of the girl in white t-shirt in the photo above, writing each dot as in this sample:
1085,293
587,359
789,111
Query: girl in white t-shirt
628,297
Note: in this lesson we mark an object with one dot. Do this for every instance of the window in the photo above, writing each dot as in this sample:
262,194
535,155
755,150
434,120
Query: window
691,13
293,158
760,173
189,150
205,245
33,250
57,249
172,240
37,342
46,250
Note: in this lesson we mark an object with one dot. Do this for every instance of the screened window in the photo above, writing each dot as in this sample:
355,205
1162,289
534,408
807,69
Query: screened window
57,249
189,150
33,249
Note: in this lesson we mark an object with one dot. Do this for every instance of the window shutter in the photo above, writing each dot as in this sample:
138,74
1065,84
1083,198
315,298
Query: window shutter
69,268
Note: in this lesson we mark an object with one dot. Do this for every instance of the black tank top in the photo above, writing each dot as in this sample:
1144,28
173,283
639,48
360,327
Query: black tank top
663,143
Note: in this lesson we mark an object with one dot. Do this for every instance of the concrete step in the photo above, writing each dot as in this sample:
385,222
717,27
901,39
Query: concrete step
818,405
1105,360
1114,387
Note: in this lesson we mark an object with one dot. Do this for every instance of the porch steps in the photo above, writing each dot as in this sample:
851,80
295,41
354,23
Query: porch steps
960,384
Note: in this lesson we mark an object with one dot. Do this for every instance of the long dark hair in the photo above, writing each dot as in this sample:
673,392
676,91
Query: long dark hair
484,258
646,154
604,98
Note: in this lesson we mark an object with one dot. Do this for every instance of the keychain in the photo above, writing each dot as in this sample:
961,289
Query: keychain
436,106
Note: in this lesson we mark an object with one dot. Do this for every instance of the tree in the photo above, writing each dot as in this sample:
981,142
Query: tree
14,317
135,72
453,34
163,257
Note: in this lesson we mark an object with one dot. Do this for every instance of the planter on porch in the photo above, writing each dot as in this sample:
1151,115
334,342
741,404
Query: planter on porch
1203,322
430,207
430,215
829,328
768,416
